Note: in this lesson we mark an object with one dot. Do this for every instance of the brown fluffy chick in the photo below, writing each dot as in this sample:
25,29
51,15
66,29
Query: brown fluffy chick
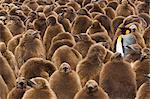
65,82
40,89
90,66
91,90
144,90
141,66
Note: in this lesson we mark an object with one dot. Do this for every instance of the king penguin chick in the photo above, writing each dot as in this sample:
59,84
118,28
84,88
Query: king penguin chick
18,91
125,9
40,23
13,43
65,22
64,38
40,89
118,79
91,90
77,25
83,43
6,72
134,53
65,82
66,54
96,27
146,37
15,25
32,4
4,89
29,46
141,66
106,22
9,57
52,30
144,90
42,68
90,67
5,34
144,7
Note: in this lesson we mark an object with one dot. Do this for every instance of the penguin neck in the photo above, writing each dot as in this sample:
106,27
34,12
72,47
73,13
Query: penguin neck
28,42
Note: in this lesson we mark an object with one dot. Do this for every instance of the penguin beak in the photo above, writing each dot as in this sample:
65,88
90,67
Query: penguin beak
36,34
21,85
142,57
91,89
27,19
31,83
65,69
147,76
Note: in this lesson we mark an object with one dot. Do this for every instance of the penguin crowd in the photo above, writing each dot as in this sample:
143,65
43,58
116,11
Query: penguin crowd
74,49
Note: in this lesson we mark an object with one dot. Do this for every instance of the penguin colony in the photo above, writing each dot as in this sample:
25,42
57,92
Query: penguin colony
74,49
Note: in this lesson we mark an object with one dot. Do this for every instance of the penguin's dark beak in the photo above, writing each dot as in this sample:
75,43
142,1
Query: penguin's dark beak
147,76
21,85
65,69
91,89
142,57
36,34
27,19
31,83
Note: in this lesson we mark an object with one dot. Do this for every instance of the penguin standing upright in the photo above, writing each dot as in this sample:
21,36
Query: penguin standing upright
125,39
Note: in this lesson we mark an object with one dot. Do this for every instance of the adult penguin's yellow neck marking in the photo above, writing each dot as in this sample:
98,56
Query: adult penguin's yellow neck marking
119,38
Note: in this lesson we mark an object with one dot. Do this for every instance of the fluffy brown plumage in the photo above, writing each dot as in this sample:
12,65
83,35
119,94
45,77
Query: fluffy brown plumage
91,91
65,82
40,89
90,66
29,46
118,79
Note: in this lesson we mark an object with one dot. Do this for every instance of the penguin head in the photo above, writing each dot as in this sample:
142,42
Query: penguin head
91,87
97,51
96,24
132,27
3,47
147,76
21,83
41,15
125,31
145,54
31,34
82,37
83,11
124,2
51,20
38,83
65,68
